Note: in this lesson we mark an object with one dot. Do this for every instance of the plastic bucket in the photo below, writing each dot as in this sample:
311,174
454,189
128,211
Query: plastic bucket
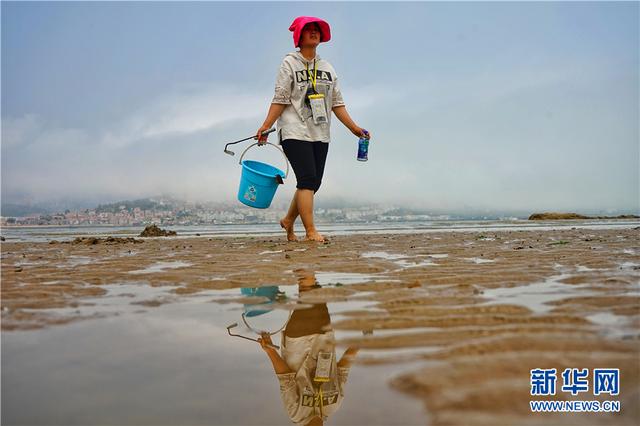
271,292
259,181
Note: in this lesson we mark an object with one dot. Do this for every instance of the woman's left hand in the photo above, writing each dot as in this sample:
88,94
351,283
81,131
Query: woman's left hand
361,133
265,342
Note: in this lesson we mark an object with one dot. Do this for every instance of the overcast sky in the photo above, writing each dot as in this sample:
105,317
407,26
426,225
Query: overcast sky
514,106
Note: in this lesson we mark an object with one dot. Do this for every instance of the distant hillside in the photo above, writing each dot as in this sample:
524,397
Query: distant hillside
129,205
17,210
13,208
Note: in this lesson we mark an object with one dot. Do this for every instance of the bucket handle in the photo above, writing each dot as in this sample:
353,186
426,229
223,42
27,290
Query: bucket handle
273,145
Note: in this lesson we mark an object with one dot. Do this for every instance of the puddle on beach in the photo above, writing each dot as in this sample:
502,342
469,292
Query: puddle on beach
161,267
540,298
76,261
630,265
479,260
328,278
534,296
270,252
402,260
147,362
616,326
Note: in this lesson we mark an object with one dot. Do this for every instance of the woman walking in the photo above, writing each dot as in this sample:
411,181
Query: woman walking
306,92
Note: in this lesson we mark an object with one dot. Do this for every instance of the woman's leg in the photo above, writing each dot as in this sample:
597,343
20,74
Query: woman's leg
289,220
304,199
320,150
302,156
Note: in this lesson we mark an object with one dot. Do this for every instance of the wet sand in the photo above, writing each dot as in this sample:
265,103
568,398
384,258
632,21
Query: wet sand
478,310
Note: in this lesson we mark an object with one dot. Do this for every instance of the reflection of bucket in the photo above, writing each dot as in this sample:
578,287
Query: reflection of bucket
253,310
271,292
259,182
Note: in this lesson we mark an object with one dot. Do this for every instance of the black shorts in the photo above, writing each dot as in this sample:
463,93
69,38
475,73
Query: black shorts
307,160
304,322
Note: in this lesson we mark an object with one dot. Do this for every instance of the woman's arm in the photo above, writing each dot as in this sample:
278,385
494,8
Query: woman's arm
345,364
341,112
275,110
279,364
348,357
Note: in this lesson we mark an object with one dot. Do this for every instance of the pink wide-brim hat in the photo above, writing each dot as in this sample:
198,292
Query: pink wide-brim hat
298,24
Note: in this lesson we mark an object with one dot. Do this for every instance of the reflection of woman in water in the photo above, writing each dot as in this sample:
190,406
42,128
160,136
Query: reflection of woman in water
306,336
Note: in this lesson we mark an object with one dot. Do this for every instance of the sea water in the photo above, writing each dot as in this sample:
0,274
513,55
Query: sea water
64,233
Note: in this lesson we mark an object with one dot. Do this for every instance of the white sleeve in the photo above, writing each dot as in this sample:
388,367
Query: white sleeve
284,85
343,374
336,96
289,392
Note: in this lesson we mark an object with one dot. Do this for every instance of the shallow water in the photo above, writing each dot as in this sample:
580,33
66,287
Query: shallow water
535,296
160,267
173,364
65,233
325,278
479,260
401,260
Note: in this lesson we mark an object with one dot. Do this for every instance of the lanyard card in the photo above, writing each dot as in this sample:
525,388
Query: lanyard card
318,109
323,367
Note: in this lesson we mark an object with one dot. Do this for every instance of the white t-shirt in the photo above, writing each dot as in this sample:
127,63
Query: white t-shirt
296,121
298,391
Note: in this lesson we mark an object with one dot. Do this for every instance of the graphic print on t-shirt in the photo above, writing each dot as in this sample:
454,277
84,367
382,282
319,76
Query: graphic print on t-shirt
328,398
302,76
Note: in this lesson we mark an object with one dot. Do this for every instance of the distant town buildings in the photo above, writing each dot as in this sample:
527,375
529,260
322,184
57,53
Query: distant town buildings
125,214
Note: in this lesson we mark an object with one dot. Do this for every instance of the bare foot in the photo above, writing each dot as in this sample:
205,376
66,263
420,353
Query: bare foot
315,236
288,226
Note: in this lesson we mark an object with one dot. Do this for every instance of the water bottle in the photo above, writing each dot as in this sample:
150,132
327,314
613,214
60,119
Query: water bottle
363,147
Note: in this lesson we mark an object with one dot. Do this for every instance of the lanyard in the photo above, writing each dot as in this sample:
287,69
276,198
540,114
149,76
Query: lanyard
320,397
315,74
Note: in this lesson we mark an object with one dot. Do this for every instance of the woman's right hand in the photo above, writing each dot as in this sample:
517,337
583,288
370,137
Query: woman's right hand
262,139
